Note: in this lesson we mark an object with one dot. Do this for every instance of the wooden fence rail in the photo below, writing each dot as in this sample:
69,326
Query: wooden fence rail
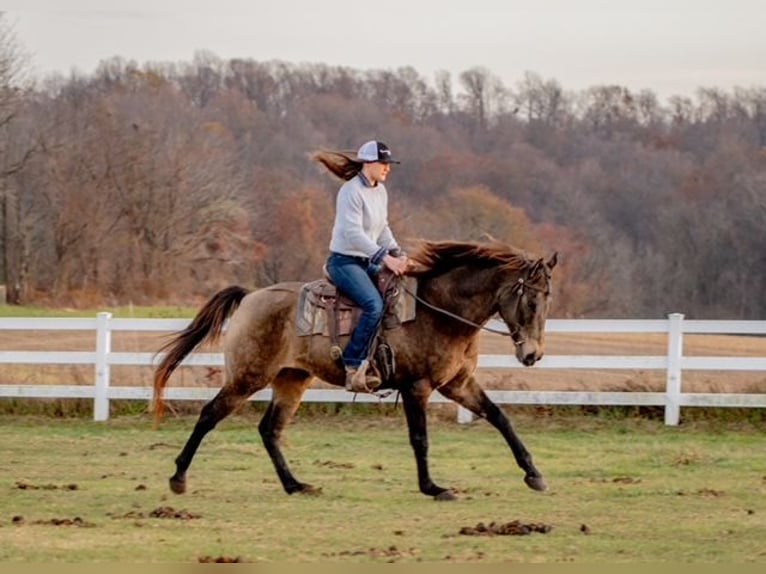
673,363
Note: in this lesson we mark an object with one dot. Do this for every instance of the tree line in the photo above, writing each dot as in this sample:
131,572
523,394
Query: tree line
163,182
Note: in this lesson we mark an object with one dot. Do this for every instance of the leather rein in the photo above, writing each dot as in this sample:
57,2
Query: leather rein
519,287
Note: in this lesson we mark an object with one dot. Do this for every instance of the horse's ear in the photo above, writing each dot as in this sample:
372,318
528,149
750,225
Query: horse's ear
551,263
485,236
535,267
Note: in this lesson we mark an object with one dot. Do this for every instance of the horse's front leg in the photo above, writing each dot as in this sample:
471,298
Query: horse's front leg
415,400
468,393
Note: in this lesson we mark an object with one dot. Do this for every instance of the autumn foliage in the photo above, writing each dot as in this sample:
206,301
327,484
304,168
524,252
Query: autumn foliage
164,182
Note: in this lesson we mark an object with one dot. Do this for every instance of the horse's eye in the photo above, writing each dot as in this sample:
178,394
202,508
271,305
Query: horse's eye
532,306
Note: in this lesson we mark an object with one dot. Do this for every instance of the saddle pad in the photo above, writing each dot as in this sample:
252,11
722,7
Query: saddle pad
315,297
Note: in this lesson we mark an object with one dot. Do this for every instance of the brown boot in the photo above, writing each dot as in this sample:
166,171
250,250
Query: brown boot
358,380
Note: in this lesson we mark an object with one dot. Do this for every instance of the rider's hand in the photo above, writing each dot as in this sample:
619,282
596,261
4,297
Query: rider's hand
398,265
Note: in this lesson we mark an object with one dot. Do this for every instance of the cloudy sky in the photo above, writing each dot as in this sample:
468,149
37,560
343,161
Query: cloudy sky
669,46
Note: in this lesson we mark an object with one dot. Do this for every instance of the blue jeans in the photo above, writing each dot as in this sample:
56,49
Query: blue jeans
350,276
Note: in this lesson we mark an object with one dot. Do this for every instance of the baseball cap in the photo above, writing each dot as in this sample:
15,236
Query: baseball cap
373,151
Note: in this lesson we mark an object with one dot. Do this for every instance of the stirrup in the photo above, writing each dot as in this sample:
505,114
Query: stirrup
359,381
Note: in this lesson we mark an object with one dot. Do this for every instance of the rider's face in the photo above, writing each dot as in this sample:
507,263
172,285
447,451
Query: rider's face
378,171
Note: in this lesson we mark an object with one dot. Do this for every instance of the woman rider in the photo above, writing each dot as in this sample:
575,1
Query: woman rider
361,244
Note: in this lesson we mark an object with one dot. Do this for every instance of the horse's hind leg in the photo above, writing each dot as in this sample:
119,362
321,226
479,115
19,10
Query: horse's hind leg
227,399
289,387
469,394
415,399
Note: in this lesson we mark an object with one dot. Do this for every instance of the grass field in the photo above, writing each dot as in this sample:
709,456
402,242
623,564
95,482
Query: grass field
622,490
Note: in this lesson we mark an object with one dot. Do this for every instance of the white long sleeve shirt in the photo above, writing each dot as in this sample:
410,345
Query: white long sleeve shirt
361,221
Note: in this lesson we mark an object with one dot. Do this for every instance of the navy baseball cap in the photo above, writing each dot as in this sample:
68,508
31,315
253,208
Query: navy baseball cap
375,151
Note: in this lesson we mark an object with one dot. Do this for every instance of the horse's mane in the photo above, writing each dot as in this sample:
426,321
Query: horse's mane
436,257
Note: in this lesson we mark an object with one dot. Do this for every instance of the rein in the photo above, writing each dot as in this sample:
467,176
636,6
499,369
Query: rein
452,315
519,291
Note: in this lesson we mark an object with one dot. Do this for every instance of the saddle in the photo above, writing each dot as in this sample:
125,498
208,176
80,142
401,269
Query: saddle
323,310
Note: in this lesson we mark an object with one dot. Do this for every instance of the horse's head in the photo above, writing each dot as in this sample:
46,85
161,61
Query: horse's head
478,280
523,304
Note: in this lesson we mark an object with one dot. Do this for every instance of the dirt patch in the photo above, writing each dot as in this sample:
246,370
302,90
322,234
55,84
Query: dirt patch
157,445
391,552
21,485
220,559
333,464
702,492
513,528
618,480
160,512
76,521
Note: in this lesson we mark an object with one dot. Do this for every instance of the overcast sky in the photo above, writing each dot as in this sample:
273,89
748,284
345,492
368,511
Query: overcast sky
669,46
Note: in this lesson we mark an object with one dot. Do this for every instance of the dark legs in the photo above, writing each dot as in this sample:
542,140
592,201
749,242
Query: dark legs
468,394
288,391
288,388
212,413
415,399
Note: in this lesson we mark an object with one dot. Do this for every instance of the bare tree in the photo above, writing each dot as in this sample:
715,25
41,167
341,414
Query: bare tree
485,95
445,96
13,84
13,62
541,101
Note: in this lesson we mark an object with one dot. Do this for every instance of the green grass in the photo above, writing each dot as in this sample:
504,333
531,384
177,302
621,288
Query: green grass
644,491
128,311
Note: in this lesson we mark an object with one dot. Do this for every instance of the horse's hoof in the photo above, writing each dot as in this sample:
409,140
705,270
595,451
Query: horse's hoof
536,483
445,495
177,485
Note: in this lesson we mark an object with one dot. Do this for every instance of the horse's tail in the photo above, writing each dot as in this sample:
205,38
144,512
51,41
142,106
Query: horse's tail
208,324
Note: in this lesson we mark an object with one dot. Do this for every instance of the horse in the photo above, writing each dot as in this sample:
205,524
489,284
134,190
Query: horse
460,287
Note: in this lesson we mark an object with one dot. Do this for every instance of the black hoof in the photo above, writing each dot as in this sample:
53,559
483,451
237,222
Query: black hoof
177,485
536,483
446,495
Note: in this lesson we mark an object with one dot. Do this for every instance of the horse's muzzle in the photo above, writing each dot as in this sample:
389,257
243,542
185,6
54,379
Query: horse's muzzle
529,359
528,353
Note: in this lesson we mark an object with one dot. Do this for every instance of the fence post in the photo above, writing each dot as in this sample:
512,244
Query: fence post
464,416
673,381
103,348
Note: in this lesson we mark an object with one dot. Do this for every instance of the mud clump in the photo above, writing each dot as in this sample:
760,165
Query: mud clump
220,559
21,485
160,512
513,528
170,512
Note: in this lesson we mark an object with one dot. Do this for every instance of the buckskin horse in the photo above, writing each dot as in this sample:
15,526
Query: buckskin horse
461,286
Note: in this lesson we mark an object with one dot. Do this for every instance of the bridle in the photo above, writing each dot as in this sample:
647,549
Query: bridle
519,287
514,331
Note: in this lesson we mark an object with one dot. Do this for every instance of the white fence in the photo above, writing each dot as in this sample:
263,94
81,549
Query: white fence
673,363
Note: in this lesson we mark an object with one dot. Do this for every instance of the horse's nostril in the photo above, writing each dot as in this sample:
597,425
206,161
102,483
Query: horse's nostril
529,359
